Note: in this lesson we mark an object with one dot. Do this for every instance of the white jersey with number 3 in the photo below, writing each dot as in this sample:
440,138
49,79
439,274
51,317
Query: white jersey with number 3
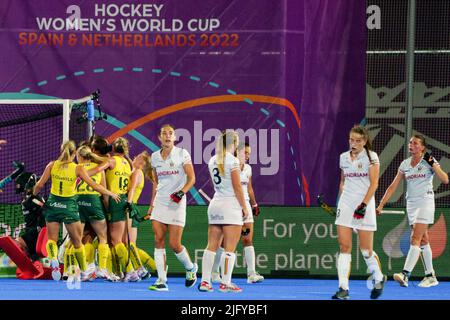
224,208
223,186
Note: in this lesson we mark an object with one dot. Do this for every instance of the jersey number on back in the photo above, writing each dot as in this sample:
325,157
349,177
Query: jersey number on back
83,186
217,179
123,184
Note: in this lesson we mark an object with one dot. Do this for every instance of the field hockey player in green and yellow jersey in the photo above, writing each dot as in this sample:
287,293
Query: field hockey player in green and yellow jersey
62,206
142,168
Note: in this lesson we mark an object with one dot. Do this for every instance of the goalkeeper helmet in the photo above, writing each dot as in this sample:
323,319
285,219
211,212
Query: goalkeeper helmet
21,181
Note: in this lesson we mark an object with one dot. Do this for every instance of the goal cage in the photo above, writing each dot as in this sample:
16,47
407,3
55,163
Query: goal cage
34,130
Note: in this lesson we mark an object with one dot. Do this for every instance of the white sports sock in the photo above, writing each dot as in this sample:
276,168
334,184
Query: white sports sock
427,258
207,264
344,266
249,255
227,265
373,265
411,259
184,258
160,261
216,266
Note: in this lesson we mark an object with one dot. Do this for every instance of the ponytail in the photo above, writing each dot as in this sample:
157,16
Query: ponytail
227,139
121,145
148,169
86,153
67,150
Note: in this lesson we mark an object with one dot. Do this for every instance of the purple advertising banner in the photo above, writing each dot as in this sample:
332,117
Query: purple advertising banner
289,76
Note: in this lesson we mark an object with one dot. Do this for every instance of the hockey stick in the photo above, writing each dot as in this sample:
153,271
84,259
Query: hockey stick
20,167
328,209
325,206
127,214
392,212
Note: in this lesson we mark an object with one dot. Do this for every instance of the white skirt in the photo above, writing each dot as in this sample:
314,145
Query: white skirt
420,210
225,211
172,213
249,218
345,210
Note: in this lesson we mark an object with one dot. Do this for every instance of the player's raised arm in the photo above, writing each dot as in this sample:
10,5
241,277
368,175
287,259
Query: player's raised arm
97,187
43,179
443,176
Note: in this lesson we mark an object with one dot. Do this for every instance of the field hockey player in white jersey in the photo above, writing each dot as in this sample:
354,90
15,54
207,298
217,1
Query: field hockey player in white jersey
243,154
174,176
418,171
356,210
226,212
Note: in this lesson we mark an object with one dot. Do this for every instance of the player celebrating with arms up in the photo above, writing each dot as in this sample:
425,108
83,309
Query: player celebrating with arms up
356,210
418,170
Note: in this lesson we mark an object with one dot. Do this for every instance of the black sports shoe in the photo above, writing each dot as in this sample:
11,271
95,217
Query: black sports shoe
341,294
159,286
378,288
191,276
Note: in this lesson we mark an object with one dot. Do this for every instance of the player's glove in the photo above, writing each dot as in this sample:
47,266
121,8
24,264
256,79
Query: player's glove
177,196
429,159
128,207
360,211
32,204
255,210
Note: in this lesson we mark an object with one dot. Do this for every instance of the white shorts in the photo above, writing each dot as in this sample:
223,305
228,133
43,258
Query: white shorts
172,213
249,218
225,211
420,211
345,210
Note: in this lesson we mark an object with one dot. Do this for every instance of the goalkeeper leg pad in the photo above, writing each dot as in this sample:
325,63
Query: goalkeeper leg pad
26,269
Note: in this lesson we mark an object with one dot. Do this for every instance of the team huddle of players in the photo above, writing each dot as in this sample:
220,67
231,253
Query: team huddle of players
96,196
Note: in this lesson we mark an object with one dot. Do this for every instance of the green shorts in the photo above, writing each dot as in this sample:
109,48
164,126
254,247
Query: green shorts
134,215
90,207
134,223
116,211
61,209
